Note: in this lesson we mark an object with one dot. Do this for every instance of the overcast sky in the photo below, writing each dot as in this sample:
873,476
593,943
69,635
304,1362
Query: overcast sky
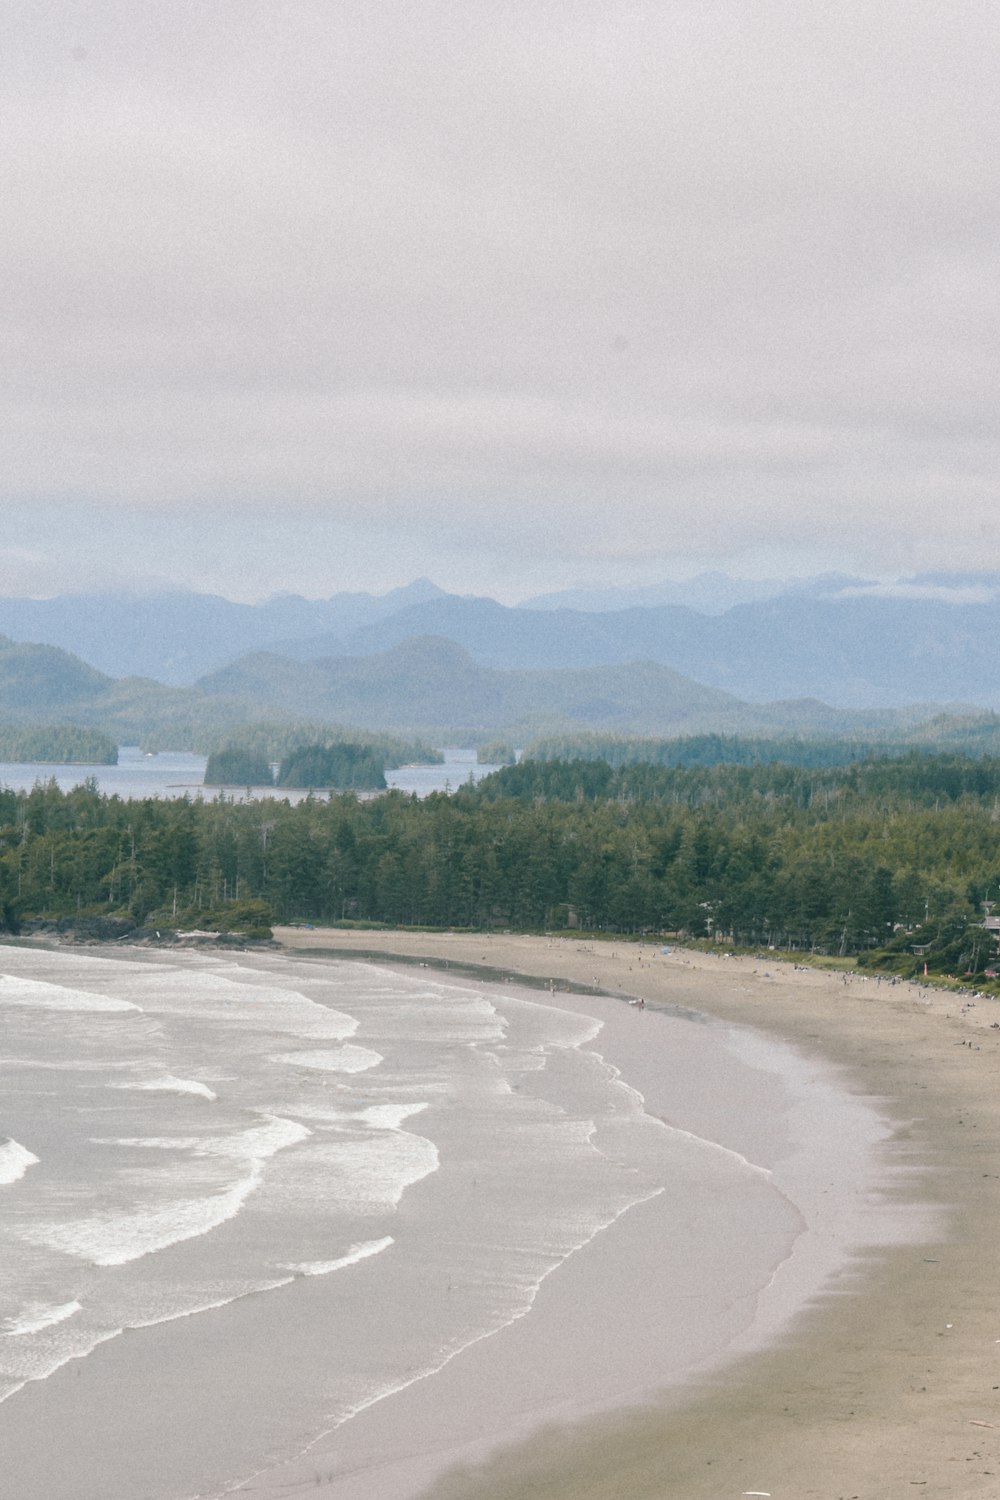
313,296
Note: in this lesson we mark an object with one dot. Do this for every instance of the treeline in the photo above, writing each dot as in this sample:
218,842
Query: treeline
912,778
875,860
711,750
271,742
976,735
496,753
56,744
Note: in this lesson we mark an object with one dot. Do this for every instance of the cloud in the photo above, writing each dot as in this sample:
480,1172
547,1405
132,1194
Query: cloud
638,280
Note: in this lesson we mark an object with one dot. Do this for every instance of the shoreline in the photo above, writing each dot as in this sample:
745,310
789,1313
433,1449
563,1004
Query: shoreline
884,1385
650,1282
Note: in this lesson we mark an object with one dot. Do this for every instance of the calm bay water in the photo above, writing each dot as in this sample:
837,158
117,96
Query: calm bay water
174,773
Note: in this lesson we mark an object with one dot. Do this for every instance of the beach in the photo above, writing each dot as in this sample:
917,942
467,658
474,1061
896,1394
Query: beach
392,1215
275,1221
890,1383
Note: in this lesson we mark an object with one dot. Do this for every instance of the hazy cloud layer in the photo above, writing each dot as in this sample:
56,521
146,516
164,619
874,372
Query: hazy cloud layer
535,290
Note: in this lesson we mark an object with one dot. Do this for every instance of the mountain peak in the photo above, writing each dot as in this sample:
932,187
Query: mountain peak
418,592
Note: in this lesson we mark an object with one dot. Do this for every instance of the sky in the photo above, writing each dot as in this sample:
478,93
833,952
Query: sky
517,294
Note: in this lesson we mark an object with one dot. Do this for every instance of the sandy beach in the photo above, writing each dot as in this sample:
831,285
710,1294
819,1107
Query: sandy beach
888,1386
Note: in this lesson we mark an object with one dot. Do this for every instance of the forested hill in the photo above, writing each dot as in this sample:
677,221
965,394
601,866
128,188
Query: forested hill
889,861
433,690
429,688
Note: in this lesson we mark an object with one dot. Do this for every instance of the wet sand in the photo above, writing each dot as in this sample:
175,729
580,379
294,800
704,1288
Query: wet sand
885,1387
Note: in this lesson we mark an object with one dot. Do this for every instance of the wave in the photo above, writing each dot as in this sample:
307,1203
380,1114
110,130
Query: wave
39,995
377,1116
718,1147
202,1307
39,1315
45,1361
15,1160
387,1116
356,1252
115,1239
347,1059
214,997
367,1176
45,1357
168,1084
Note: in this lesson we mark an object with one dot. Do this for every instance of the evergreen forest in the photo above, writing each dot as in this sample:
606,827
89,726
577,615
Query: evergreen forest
888,861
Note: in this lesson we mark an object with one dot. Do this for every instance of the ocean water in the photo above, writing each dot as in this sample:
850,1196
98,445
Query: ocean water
263,1195
181,773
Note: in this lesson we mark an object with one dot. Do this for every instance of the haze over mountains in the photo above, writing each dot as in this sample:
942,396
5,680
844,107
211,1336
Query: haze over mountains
849,642
827,655
176,637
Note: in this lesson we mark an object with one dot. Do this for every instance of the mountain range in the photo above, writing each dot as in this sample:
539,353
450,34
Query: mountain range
846,641
828,656
428,687
176,637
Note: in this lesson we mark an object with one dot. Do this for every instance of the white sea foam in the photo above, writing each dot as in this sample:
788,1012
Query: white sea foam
40,995
367,1176
357,1252
215,1304
35,1358
378,1116
39,1315
212,997
113,1239
168,1084
255,1144
446,1015
718,1148
389,1116
15,1160
347,1059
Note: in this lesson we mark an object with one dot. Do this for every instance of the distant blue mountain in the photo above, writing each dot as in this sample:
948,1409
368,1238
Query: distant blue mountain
853,648
178,637
851,642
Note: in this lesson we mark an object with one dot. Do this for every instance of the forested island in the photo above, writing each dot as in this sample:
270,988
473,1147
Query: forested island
347,767
889,861
344,761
